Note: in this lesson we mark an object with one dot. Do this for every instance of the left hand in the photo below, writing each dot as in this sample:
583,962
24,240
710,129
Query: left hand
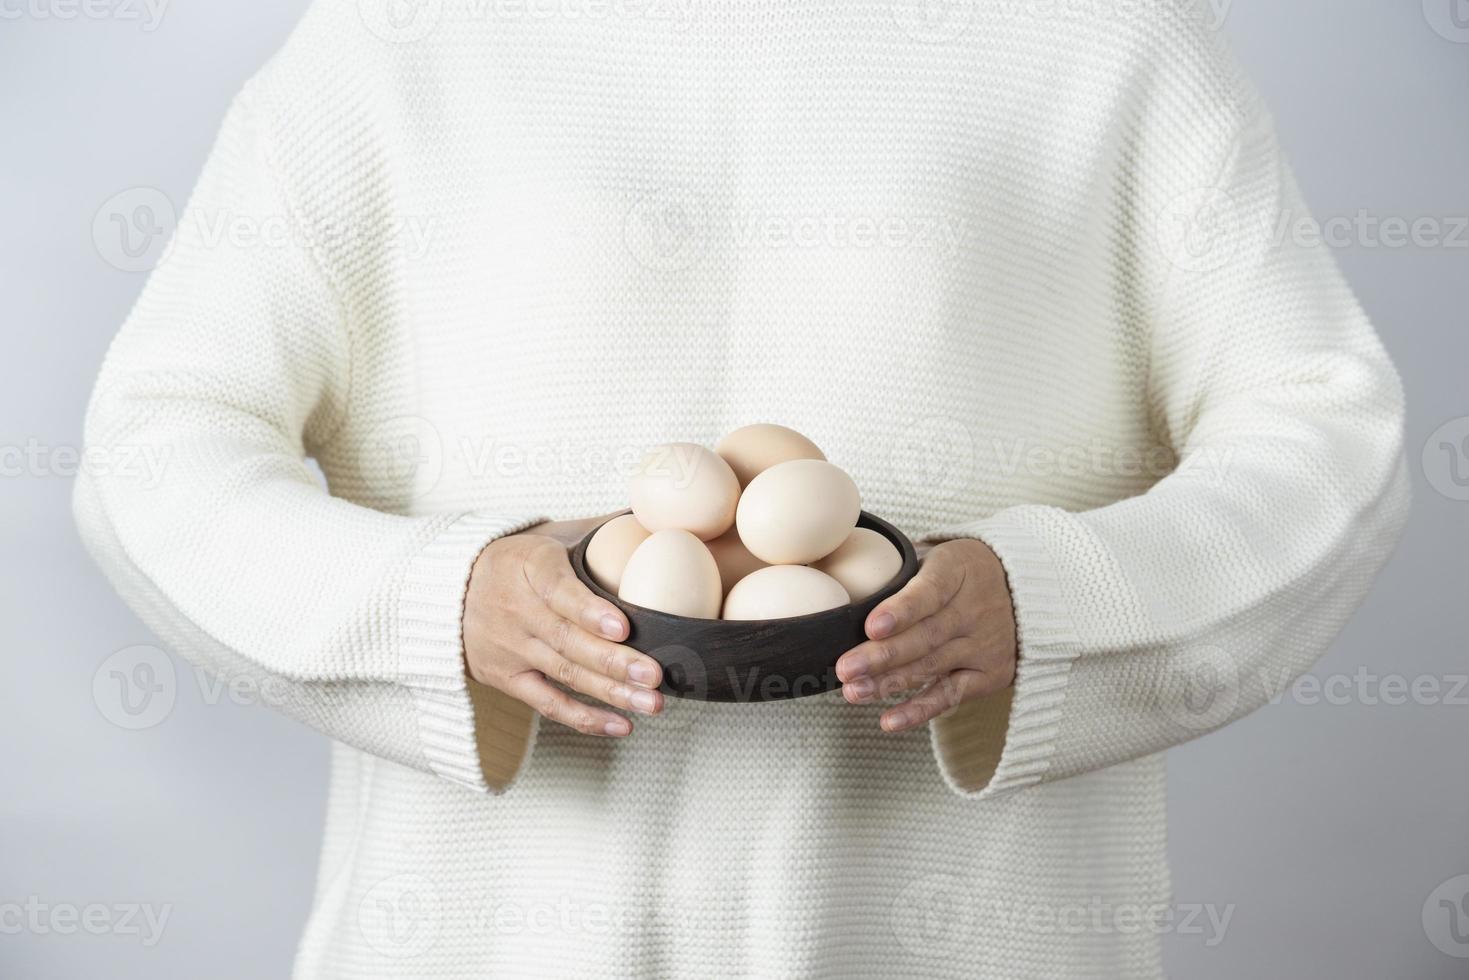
949,631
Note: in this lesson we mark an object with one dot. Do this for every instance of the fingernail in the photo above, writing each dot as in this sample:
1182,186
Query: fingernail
898,720
644,701
882,624
611,627
862,688
855,667
642,672
618,727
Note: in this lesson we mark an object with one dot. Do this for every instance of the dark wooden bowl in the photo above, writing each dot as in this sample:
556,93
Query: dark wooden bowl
753,660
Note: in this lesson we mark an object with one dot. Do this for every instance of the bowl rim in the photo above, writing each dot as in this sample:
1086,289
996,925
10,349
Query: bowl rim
871,521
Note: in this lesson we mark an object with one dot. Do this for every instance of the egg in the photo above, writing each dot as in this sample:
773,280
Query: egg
753,449
782,591
733,558
608,551
685,487
672,572
863,564
797,512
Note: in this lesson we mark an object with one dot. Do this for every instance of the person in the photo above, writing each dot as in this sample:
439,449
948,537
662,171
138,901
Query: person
1015,268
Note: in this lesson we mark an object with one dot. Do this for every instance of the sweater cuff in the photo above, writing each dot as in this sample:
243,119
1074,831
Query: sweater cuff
1005,742
470,735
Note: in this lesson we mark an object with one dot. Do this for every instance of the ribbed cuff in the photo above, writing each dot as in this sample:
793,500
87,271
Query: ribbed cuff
981,751
431,657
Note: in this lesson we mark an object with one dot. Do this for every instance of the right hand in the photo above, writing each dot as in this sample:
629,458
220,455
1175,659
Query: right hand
528,621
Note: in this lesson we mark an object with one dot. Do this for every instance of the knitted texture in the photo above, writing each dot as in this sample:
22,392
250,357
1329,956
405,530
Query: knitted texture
1015,269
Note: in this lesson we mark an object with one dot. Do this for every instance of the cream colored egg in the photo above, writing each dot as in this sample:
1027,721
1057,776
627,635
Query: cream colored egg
686,487
612,545
753,449
733,558
782,591
673,572
864,563
797,512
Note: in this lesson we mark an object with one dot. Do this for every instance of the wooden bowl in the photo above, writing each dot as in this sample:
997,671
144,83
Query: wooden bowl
753,660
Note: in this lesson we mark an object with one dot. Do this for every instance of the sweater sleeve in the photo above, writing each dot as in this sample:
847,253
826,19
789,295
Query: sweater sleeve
231,370
1158,618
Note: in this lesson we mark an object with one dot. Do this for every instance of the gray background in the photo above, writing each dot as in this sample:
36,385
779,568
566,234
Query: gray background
1323,826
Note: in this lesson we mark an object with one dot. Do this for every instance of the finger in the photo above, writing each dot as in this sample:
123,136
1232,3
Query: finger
877,656
585,680
938,662
943,694
550,576
556,705
936,583
585,650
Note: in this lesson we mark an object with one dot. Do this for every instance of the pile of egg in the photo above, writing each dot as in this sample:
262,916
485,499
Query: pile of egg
763,527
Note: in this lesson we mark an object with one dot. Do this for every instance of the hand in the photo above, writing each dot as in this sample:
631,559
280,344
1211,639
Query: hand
528,620
950,631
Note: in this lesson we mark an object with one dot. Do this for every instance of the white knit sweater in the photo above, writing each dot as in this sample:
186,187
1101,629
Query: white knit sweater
1007,266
